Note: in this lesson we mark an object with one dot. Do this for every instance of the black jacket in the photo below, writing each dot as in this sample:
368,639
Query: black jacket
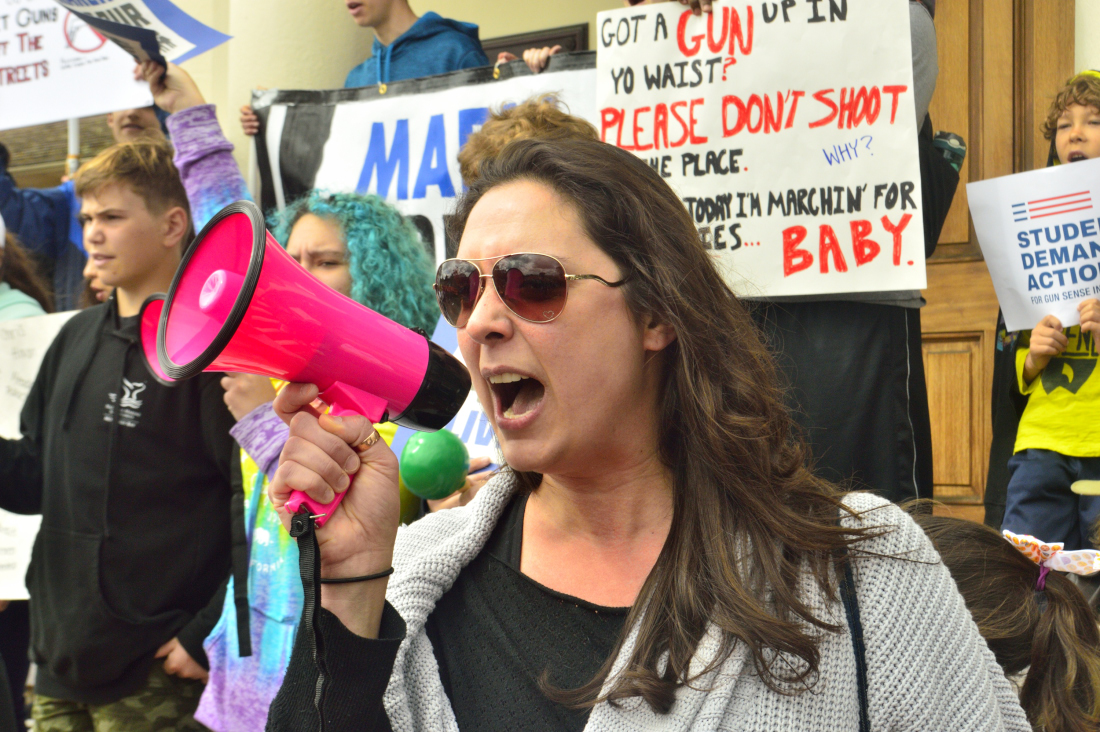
132,479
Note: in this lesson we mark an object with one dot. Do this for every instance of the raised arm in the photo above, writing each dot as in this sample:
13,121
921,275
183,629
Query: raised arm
204,157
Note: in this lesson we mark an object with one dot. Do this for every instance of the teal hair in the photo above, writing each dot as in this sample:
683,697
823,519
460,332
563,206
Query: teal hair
391,272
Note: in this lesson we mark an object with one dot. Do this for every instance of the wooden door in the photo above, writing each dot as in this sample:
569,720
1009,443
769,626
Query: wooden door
1001,62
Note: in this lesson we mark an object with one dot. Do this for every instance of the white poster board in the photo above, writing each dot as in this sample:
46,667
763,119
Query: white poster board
172,34
1040,237
23,343
788,129
53,66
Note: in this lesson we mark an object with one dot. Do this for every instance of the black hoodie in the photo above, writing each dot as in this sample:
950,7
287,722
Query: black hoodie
132,479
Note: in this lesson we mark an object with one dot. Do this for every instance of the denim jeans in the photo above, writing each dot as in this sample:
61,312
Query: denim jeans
1040,502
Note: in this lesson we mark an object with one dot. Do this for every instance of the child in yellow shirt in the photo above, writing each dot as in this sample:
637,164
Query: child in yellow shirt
1058,441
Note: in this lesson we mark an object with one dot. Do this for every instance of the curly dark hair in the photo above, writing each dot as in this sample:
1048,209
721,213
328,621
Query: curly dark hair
1083,89
543,117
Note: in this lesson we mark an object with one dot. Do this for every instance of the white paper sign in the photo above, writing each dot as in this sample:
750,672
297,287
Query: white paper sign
788,130
53,66
1040,235
23,343
178,36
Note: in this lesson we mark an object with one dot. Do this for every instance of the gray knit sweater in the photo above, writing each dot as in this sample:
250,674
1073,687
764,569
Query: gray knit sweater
928,668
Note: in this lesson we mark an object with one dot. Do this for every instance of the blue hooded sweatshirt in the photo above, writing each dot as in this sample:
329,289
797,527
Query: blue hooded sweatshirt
433,45
45,220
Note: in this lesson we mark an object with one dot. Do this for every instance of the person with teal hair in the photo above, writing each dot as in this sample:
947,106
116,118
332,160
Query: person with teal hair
383,264
364,248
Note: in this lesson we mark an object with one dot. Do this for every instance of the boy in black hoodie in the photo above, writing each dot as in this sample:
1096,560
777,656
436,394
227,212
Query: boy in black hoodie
131,477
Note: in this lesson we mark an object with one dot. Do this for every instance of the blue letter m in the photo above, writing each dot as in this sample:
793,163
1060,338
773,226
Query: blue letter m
387,164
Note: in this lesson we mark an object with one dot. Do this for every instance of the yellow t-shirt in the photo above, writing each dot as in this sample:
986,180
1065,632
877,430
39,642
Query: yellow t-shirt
1063,407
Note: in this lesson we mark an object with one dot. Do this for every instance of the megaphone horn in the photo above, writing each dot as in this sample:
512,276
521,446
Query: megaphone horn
239,302
149,322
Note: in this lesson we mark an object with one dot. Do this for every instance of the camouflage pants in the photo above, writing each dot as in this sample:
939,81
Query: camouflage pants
167,703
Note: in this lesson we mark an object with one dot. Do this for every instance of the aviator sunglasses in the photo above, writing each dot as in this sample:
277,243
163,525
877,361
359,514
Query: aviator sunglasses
533,286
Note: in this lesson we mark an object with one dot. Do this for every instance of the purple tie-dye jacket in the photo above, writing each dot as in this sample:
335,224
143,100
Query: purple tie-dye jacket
205,160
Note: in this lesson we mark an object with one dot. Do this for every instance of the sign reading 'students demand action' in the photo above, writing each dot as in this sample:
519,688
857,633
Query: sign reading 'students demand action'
788,129
1040,235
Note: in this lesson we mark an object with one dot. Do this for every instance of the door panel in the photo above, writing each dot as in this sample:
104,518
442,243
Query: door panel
1001,62
958,326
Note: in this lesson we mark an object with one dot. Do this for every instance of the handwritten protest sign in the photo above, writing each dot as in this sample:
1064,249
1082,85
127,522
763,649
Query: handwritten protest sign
148,29
53,66
1040,235
23,343
788,129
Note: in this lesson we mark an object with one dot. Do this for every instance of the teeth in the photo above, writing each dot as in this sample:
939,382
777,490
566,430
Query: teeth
509,413
506,378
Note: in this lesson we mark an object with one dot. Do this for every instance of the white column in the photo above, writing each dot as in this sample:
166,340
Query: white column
72,160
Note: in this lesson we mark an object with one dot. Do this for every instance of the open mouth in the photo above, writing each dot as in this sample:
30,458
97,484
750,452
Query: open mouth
516,395
1077,156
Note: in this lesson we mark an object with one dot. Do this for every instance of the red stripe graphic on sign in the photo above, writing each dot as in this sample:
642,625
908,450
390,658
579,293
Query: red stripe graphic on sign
1055,198
1061,205
1056,213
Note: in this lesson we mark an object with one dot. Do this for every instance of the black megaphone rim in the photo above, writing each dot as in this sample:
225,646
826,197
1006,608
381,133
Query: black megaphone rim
158,296
240,305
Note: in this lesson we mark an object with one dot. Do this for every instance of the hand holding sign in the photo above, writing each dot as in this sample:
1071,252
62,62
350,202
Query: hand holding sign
1047,340
697,6
173,88
1090,315
1040,236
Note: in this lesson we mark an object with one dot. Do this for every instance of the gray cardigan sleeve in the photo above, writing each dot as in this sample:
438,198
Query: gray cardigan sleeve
927,665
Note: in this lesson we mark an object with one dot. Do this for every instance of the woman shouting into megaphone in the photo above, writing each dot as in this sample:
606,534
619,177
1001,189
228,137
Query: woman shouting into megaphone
655,554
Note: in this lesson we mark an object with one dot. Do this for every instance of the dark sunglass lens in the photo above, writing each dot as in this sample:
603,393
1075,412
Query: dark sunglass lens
531,285
456,288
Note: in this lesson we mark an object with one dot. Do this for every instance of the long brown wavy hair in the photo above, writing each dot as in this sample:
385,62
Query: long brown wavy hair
1051,634
19,270
749,519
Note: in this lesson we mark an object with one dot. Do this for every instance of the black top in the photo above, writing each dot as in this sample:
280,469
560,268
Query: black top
132,479
495,633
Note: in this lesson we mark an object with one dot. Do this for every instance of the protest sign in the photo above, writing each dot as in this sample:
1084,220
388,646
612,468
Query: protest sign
400,140
148,29
1040,235
54,66
788,130
23,343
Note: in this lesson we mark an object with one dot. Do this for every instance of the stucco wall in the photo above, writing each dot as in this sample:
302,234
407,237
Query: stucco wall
308,44
1086,51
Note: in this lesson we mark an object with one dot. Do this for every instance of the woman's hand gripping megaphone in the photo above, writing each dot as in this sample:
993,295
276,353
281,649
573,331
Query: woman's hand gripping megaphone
319,460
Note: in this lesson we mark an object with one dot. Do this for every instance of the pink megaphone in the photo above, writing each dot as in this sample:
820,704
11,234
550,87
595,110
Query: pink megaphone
148,323
240,303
